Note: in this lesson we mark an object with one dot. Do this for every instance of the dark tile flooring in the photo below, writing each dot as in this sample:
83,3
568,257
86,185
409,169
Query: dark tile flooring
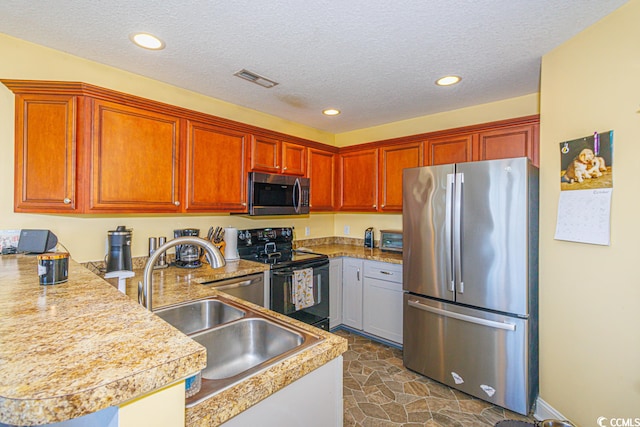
379,392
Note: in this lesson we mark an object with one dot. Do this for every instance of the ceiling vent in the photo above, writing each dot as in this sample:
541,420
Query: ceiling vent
255,78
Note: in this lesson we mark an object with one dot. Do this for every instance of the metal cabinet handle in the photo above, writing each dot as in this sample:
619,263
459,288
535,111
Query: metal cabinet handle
177,203
463,317
386,272
244,203
66,201
358,275
236,285
374,206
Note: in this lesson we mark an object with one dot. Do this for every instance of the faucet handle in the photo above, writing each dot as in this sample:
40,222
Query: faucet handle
142,298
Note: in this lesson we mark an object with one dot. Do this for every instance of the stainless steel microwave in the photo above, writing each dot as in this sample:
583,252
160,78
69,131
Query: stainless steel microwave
271,194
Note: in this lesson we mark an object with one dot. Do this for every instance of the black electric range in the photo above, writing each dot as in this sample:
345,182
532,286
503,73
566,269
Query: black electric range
274,246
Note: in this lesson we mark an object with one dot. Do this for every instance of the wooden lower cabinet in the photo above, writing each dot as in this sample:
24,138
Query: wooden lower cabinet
46,153
358,182
321,173
215,170
135,158
393,160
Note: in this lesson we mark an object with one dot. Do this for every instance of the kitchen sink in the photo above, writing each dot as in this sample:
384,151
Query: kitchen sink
197,316
240,340
243,345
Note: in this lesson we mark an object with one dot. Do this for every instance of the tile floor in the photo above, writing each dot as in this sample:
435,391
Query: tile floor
380,392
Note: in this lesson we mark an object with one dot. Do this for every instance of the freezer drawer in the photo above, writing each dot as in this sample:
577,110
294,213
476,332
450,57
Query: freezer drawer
487,355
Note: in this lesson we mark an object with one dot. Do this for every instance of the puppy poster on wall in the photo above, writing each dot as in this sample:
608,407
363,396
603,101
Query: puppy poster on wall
587,166
587,162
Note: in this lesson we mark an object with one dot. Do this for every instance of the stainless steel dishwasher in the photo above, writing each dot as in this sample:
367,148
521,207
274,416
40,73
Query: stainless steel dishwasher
249,288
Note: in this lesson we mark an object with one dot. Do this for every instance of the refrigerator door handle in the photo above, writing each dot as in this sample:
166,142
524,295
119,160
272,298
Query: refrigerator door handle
457,232
448,223
463,317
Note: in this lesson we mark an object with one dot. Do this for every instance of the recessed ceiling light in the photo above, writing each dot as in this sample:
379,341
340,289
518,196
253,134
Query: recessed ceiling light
147,41
448,80
331,112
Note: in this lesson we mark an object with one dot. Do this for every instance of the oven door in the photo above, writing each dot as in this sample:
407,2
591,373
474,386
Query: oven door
315,308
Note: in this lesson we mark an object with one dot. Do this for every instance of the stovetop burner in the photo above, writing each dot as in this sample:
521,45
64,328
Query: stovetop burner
272,246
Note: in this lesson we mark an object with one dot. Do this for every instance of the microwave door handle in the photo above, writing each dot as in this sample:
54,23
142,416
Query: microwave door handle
297,189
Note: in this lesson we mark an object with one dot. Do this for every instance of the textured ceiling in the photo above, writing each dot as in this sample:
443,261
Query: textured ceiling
374,60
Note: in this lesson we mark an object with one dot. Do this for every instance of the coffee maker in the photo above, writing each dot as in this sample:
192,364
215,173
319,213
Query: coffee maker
187,256
119,255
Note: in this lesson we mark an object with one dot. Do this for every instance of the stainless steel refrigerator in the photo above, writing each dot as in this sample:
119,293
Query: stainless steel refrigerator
470,273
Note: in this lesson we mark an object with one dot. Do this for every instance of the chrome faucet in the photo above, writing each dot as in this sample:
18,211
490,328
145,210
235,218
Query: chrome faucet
214,257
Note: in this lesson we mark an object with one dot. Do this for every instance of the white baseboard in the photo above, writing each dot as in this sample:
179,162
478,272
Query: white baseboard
544,411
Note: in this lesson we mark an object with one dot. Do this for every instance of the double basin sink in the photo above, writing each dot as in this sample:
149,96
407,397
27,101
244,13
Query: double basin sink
239,341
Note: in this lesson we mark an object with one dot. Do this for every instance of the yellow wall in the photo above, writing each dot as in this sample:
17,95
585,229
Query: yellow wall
85,236
590,295
514,107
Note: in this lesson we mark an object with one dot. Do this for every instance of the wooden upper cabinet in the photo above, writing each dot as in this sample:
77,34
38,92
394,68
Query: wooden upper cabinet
294,159
46,153
276,156
449,149
321,173
135,157
265,154
358,182
215,169
393,160
516,141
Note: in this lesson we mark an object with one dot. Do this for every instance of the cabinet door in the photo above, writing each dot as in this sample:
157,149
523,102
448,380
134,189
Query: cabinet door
352,276
135,156
517,141
294,159
382,300
265,154
335,292
321,172
45,153
359,180
449,149
392,161
215,169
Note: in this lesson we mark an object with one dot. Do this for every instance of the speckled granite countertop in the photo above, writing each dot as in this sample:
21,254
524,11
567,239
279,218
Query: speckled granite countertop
338,250
78,347
74,348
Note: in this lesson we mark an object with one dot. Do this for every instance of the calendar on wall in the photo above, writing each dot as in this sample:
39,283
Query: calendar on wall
586,183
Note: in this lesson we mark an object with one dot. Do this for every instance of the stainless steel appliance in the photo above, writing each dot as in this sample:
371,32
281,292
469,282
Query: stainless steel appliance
274,246
271,194
187,256
119,255
368,238
391,240
249,288
470,263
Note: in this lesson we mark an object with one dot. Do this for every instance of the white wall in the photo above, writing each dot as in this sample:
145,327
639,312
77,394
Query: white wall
590,295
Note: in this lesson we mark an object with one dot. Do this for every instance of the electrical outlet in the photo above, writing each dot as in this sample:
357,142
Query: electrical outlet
347,230
307,231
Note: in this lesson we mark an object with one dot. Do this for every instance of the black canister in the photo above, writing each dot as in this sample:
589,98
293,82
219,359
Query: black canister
53,268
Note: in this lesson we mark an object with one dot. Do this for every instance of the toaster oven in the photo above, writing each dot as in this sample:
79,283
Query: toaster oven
391,240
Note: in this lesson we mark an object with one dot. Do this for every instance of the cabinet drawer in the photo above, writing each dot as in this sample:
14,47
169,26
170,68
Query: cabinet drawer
383,271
